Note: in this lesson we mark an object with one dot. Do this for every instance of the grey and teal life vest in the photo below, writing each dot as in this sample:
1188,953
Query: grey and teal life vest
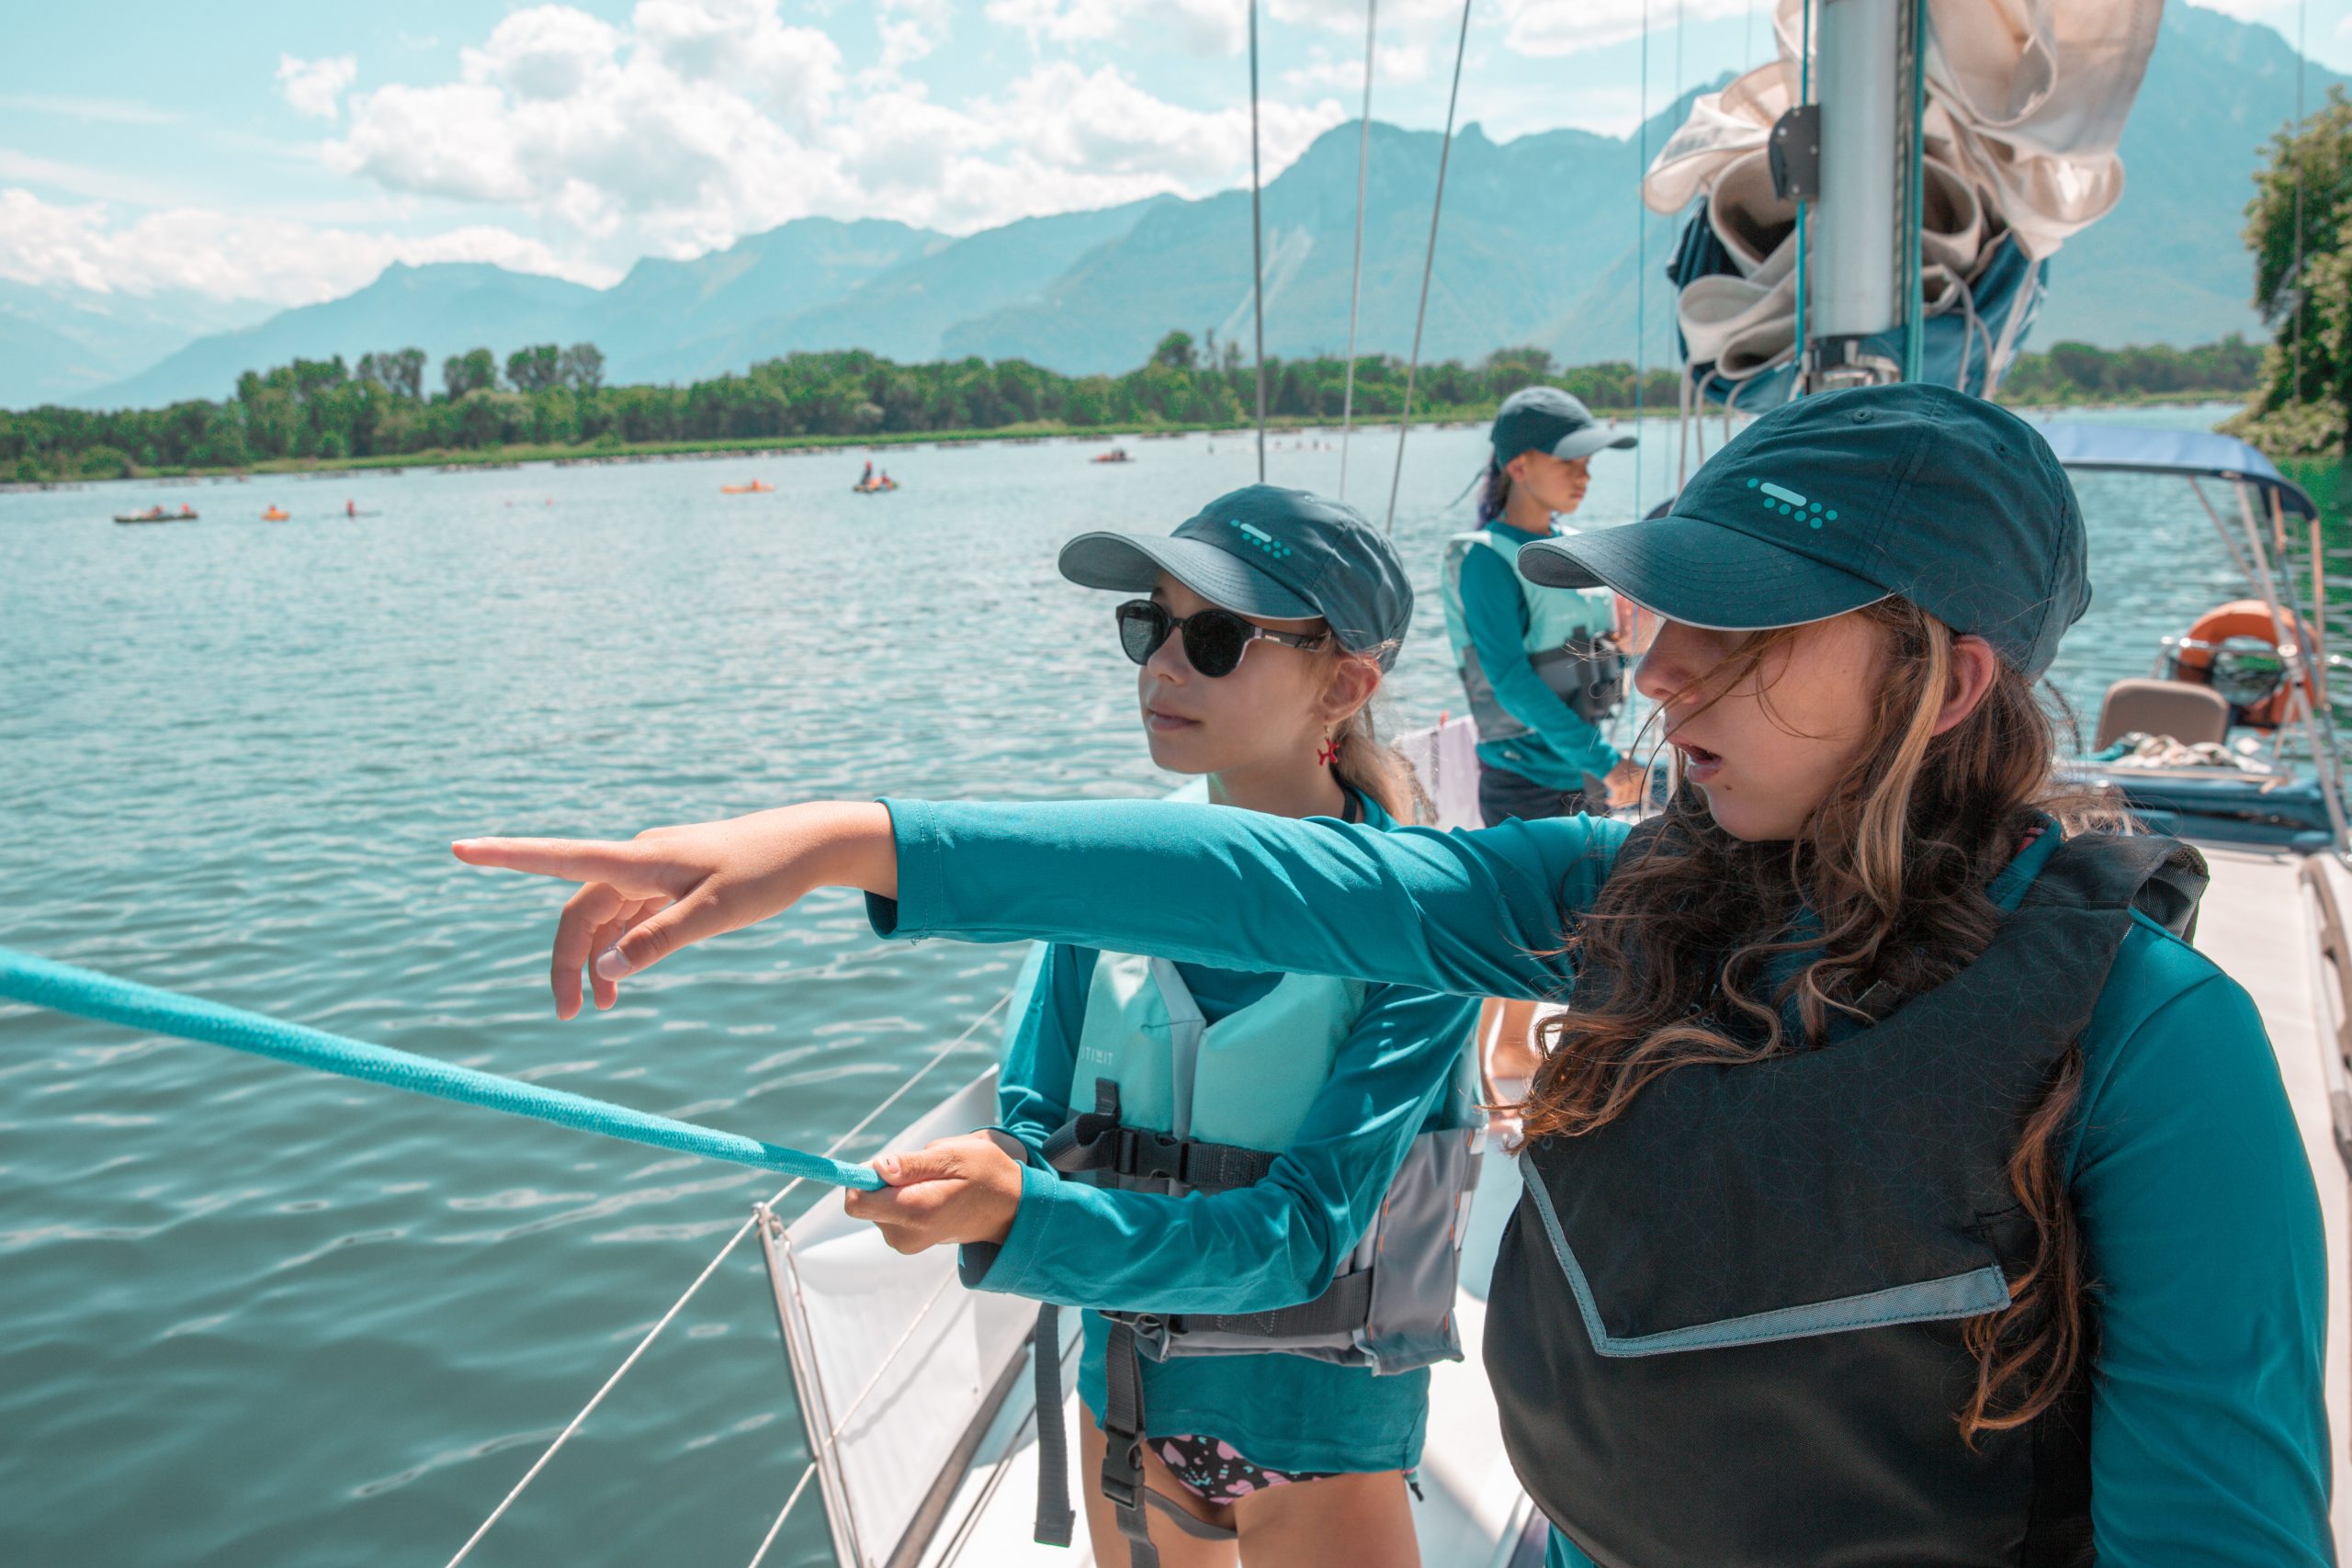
1185,1106
1570,640
1727,1325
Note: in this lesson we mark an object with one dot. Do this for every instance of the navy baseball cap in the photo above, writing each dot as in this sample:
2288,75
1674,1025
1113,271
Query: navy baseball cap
1287,555
1545,418
1842,499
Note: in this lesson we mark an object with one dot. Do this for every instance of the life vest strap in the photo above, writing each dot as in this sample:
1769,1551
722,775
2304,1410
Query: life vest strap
1122,1431
1095,1143
1055,1517
1346,1306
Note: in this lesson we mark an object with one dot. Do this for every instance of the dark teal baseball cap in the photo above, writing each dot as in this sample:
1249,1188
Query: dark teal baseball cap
1545,418
1843,499
1286,555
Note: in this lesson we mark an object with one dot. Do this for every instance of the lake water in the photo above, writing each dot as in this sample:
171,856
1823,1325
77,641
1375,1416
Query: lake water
261,1316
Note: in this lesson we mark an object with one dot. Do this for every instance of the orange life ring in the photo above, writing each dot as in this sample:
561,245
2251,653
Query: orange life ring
2246,617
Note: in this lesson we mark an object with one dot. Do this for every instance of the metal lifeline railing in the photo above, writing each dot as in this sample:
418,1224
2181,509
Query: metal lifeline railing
759,1212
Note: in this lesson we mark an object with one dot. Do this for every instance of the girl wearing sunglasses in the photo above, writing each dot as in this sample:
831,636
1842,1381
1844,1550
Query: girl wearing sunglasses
1261,629
1902,1186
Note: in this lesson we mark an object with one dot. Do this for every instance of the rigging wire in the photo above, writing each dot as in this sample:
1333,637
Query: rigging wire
2296,384
1429,263
1915,201
1640,253
1805,96
675,1307
1355,276
1257,244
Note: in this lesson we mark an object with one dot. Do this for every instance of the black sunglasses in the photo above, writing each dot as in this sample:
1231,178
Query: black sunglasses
1214,639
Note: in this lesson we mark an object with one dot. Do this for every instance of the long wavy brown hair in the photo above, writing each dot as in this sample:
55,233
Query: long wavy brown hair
1892,868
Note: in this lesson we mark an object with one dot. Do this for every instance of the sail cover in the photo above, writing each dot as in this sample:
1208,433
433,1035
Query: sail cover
2026,105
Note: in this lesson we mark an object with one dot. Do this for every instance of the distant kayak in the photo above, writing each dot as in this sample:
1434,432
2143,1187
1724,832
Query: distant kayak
756,486
1115,455
275,515
874,489
157,515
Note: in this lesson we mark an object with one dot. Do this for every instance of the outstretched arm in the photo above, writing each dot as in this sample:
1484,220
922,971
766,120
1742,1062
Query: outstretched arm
1469,914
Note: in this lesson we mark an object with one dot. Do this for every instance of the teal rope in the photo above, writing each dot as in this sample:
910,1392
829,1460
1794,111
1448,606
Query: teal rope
64,987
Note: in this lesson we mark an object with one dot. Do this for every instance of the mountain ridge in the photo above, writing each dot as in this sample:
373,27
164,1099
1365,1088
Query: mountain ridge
1541,243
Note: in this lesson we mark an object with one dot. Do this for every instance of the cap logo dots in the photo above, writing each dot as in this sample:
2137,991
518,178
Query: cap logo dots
1789,504
1261,538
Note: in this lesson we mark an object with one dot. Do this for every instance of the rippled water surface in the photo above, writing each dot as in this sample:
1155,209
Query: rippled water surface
256,1315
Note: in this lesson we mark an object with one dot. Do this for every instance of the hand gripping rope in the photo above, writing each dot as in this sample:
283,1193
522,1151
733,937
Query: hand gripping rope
64,988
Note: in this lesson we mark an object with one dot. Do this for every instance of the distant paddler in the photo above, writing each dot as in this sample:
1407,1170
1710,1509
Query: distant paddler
277,514
1542,666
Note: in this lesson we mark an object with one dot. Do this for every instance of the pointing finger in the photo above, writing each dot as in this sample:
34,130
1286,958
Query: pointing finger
626,866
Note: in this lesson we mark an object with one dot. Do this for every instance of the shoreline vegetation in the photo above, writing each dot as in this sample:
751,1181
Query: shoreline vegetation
319,416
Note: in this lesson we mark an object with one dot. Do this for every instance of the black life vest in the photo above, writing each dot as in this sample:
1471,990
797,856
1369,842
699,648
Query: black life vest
1726,1327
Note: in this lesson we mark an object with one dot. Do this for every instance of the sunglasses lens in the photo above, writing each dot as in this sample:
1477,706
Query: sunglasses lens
1213,641
1143,626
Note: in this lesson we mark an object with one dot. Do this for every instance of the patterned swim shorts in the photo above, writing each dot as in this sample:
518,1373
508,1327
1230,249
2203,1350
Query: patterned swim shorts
1212,1470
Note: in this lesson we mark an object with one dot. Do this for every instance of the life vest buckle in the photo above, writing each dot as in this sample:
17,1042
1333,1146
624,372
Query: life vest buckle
1151,1156
1124,1491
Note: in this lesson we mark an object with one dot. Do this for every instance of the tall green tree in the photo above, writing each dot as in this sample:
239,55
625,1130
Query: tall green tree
2298,226
476,370
583,367
536,368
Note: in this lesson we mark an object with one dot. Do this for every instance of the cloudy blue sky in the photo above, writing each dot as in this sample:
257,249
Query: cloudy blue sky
285,151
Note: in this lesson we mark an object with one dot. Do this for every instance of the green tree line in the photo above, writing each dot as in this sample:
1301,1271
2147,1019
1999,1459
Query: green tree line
549,397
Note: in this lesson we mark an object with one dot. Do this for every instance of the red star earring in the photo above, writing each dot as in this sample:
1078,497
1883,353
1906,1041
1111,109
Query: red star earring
1330,755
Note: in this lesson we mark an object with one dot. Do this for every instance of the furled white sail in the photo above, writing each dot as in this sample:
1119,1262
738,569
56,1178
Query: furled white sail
2026,105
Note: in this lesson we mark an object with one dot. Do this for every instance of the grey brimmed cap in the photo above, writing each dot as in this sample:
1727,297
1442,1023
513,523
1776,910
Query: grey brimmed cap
1843,499
1545,418
1286,555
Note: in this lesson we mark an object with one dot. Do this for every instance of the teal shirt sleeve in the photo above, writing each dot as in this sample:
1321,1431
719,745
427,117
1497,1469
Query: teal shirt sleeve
1495,611
1273,1244
1470,914
1034,1081
2208,1432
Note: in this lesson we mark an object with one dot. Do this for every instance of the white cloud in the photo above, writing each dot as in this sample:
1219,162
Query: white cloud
1396,63
910,30
1542,29
690,126
1347,16
233,257
1059,139
1210,28
702,121
314,86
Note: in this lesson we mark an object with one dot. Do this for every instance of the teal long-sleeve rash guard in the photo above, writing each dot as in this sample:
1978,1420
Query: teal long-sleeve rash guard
1561,746
2208,1436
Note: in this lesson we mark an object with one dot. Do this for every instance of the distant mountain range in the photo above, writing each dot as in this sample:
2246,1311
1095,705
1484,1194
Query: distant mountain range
1538,246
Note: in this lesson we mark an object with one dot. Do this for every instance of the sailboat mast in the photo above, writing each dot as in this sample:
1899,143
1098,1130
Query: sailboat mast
1858,237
